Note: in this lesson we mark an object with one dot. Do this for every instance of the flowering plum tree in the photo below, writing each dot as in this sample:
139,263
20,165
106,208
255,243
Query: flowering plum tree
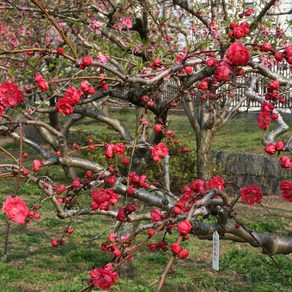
61,60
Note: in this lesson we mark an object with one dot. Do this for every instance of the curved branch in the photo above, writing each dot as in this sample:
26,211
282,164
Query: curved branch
98,115
268,73
282,126
262,14
270,243
187,7
54,23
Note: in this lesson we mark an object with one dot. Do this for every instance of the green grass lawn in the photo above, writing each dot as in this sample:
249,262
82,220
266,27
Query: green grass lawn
239,134
32,264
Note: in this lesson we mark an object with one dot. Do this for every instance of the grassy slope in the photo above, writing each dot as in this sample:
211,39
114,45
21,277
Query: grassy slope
33,265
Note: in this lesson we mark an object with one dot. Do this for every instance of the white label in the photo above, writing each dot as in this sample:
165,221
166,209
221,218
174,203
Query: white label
215,256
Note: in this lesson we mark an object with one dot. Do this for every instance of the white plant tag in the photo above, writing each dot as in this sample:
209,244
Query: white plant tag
215,256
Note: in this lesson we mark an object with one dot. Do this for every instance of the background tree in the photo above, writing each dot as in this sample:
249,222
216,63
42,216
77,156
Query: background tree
68,59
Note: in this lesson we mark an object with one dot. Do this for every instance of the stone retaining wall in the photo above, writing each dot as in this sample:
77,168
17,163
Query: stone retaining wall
246,169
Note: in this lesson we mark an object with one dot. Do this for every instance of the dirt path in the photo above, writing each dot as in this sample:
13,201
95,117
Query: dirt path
5,140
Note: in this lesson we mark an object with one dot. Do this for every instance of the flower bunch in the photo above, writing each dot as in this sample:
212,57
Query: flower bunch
66,103
103,198
10,95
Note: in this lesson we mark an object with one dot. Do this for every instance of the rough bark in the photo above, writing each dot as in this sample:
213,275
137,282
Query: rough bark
204,141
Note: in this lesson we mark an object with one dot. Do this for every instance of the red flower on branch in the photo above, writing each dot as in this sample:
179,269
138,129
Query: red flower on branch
183,254
121,216
64,107
270,148
266,47
198,186
72,95
42,84
216,182
36,165
153,247
238,54
175,247
288,54
251,194
286,188
158,151
223,72
16,209
285,161
86,61
264,120
184,227
212,62
119,149
104,278
10,94
203,85
102,199
156,215
280,145
111,149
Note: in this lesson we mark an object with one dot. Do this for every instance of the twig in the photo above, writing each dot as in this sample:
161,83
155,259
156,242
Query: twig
139,245
6,239
9,154
55,24
166,173
170,262
20,159
257,241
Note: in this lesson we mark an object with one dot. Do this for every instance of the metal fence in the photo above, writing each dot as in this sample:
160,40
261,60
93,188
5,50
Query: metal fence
170,90
262,87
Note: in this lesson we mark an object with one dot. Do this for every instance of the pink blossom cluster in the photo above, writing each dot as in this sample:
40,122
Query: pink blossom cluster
124,211
42,84
103,278
182,253
273,93
111,149
195,191
251,194
137,181
96,26
264,117
239,31
10,95
272,148
159,245
86,87
286,188
127,22
15,209
116,245
66,103
103,199
102,58
214,30
158,151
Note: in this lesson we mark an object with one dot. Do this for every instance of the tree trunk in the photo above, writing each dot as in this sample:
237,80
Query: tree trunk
54,116
204,142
